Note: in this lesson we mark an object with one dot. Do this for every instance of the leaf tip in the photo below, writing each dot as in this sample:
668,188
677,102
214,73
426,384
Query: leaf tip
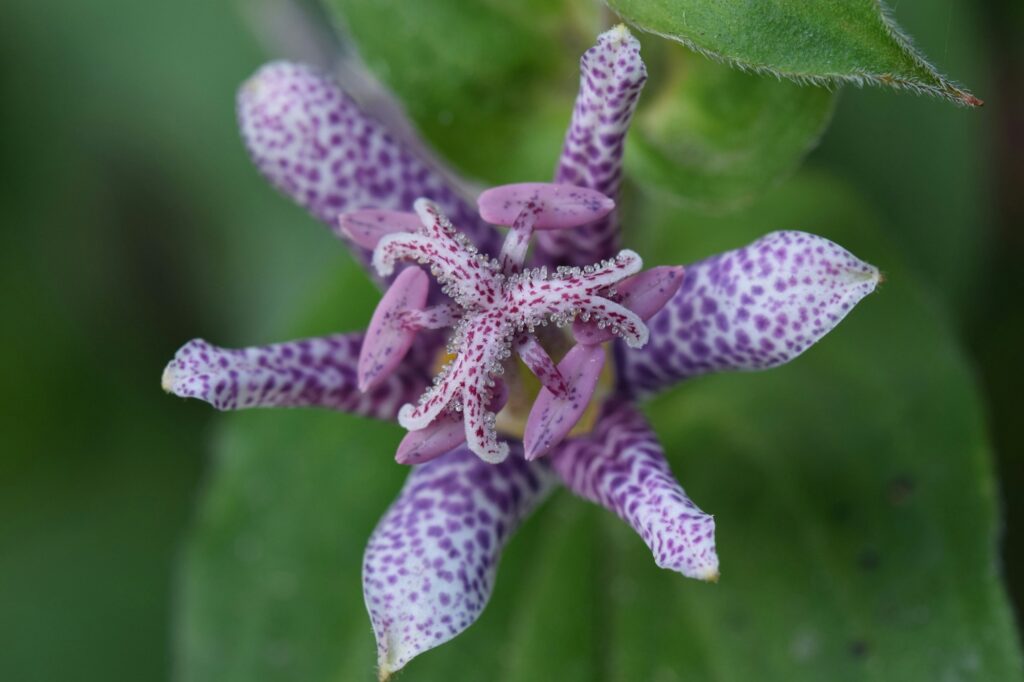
957,94
970,100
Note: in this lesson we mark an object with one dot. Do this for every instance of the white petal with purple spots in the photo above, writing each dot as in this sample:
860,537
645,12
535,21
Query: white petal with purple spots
752,308
612,74
318,372
430,565
621,466
317,146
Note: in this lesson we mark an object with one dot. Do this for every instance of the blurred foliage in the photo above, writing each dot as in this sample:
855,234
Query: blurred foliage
125,195
716,137
928,167
132,221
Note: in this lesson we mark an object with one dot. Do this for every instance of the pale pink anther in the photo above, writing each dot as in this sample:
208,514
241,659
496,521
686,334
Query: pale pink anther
443,435
388,338
365,228
645,294
561,206
553,416
530,206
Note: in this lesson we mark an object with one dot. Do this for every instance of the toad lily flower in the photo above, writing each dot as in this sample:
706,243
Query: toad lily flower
484,446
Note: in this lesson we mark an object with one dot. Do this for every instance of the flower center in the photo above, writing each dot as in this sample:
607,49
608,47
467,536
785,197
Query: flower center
495,310
523,387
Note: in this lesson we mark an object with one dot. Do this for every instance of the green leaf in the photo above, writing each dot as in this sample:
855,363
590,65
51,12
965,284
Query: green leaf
714,136
818,41
852,489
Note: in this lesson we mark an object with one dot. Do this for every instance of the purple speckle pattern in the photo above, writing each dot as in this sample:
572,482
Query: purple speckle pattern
621,466
317,372
748,309
612,74
430,564
311,141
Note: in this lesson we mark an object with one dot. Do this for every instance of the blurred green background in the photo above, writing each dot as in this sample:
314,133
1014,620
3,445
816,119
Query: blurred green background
132,221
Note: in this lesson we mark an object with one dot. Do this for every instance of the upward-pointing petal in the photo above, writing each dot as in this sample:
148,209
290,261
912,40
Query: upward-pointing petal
431,562
317,146
752,308
612,74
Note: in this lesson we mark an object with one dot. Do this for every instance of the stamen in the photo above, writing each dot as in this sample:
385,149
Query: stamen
562,206
387,338
495,305
553,416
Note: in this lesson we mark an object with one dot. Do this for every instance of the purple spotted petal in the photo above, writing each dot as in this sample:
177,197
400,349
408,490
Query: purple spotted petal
553,416
559,206
621,466
612,74
431,562
315,144
753,308
388,338
318,372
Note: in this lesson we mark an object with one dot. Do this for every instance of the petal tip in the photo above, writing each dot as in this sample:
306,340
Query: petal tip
530,451
618,37
497,455
692,565
711,574
385,669
168,377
